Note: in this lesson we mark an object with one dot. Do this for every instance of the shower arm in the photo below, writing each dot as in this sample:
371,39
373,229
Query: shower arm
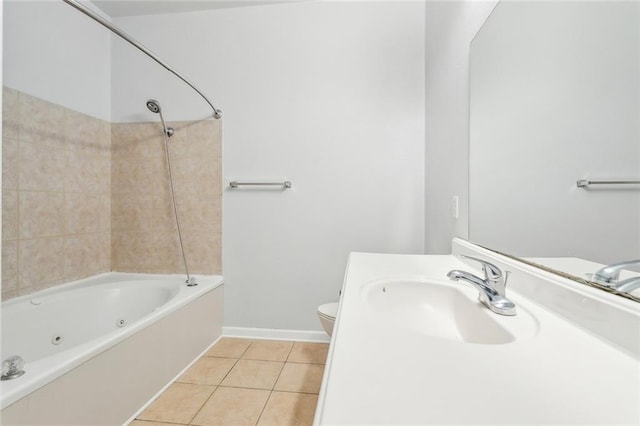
74,3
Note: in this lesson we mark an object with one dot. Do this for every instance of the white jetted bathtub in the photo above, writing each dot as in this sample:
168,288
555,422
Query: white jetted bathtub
96,350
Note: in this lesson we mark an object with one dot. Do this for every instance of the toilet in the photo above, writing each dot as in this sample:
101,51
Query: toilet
327,314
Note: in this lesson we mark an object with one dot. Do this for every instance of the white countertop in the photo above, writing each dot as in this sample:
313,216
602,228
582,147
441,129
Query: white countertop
379,373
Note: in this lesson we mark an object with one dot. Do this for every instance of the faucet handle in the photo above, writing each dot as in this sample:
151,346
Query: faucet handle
491,271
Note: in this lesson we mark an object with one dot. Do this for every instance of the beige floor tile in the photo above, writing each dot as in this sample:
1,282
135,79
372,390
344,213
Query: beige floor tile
229,347
289,409
268,350
178,404
253,374
300,378
232,407
208,371
309,353
145,423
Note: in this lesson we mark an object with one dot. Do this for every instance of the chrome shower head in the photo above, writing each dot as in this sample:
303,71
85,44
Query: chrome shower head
153,105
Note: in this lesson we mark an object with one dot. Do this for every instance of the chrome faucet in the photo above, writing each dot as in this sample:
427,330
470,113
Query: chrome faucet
628,285
610,275
491,289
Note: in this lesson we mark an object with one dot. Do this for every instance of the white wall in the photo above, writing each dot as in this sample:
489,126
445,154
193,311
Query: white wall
329,95
556,98
55,53
450,27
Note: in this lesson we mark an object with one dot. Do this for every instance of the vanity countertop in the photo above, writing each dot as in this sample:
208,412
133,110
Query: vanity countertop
380,373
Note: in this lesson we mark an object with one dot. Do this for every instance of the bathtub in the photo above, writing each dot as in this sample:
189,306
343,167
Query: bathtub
118,336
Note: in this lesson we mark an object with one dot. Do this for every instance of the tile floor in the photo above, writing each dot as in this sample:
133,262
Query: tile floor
244,382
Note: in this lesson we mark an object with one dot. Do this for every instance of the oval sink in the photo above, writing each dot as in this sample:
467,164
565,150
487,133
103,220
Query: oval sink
441,310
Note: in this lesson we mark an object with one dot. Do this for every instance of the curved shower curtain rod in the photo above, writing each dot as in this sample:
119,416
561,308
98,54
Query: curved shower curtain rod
74,3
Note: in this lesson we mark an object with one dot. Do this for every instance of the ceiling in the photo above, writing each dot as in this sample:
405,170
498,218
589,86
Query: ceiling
118,8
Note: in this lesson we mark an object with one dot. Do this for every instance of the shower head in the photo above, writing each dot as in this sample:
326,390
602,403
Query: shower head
153,105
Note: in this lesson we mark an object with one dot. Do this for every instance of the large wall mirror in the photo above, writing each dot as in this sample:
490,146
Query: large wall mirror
555,98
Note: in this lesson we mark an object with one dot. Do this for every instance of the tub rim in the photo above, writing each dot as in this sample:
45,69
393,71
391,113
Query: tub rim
53,367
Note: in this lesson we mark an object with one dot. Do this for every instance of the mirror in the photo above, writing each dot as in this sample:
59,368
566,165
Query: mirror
554,98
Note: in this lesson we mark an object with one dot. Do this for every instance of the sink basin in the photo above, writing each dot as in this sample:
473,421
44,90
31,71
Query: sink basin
442,310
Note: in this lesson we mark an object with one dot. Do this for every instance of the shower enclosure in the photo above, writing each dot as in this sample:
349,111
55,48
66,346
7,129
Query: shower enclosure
90,192
87,190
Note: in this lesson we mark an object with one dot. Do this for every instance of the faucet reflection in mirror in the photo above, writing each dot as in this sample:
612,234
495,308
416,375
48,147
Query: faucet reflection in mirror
554,98
610,276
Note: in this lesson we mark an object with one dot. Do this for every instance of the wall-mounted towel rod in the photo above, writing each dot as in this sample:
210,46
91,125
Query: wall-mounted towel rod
117,31
583,183
235,184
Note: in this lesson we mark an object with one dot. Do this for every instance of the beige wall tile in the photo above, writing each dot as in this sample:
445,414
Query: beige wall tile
253,374
8,294
131,251
10,113
9,215
87,173
309,353
41,122
204,253
131,212
181,173
208,371
40,263
57,168
103,261
289,409
83,213
41,167
229,347
178,143
137,140
9,268
202,215
296,377
141,145
107,174
105,137
268,350
104,215
167,257
81,256
178,404
84,134
193,177
9,163
229,406
131,176
41,214
163,216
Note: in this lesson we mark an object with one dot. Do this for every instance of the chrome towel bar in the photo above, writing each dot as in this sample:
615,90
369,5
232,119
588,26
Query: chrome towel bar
583,183
235,184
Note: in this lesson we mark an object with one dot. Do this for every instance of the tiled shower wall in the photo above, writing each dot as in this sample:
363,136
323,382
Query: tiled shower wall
56,184
144,236
81,196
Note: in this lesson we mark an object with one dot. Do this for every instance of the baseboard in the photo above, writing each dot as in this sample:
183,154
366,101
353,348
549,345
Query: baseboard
276,334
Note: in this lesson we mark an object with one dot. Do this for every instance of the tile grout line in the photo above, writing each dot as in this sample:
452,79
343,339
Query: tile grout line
264,407
217,386
262,389
274,384
202,406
